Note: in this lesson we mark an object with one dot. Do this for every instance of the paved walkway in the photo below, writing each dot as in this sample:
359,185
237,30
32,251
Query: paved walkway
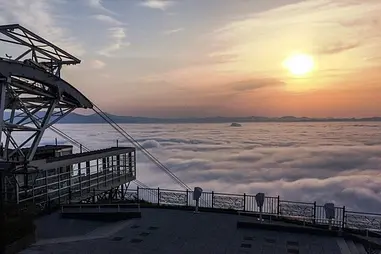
182,232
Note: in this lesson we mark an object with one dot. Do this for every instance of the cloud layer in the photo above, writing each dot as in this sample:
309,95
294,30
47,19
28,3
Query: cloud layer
157,4
338,162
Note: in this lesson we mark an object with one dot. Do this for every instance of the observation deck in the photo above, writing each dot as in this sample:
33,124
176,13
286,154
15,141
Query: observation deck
67,177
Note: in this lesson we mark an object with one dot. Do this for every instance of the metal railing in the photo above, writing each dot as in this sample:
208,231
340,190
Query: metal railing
307,212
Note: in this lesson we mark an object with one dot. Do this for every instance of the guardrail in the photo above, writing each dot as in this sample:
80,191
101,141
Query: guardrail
301,211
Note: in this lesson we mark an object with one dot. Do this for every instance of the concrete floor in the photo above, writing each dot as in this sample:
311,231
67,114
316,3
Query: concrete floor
171,231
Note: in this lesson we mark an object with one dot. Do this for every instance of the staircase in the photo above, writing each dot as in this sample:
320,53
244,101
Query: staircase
350,247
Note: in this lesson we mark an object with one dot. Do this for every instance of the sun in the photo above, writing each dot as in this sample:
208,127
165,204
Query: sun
299,64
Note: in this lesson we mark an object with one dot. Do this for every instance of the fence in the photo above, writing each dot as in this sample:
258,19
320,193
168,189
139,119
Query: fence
303,211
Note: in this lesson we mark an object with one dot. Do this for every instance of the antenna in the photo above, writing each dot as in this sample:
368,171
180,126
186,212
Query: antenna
196,196
260,198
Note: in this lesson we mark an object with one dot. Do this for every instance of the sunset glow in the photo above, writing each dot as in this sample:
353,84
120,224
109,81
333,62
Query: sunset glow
178,59
299,64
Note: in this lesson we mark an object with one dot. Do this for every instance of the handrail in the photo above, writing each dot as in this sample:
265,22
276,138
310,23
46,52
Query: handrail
274,206
296,210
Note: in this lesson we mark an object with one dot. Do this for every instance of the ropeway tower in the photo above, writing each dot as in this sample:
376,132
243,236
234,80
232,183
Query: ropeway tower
33,97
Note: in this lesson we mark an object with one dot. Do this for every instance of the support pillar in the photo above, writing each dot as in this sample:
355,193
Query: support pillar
3,86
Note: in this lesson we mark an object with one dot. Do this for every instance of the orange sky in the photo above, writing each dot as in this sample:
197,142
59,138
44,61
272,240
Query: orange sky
178,59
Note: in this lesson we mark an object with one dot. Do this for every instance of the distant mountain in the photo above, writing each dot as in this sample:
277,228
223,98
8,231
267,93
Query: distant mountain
94,118
77,118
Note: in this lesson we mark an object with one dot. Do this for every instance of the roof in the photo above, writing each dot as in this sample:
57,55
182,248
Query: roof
95,152
20,69
50,147
171,231
20,35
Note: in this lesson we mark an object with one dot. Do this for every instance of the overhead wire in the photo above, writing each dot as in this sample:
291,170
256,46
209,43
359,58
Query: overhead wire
137,145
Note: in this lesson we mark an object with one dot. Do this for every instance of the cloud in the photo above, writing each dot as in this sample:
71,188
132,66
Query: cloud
97,64
254,84
118,37
174,31
147,144
41,17
2,20
321,162
261,41
157,4
98,4
107,19
337,48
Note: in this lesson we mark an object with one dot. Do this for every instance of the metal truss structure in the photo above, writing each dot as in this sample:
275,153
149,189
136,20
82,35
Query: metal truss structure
120,193
32,94
33,97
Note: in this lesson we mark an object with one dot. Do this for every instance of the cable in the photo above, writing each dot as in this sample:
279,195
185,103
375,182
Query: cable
70,139
141,148
137,145
134,142
121,131
142,185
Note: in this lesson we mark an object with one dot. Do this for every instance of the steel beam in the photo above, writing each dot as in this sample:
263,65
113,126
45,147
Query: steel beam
3,90
40,132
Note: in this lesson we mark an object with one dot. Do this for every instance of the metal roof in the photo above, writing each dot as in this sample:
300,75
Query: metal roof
19,69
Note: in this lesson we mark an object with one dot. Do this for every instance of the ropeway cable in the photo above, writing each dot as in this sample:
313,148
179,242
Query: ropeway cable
70,139
140,147
130,139
134,142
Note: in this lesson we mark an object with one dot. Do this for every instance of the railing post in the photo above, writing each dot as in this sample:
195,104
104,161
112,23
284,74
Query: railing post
212,199
137,194
158,196
314,220
244,201
343,219
187,198
278,206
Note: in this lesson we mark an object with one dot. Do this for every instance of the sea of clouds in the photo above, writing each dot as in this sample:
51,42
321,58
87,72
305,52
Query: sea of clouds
323,162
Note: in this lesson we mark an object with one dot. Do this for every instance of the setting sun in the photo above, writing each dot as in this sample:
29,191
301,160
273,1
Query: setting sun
299,64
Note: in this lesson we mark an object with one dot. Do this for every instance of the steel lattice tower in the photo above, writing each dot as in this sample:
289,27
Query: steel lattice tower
32,94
